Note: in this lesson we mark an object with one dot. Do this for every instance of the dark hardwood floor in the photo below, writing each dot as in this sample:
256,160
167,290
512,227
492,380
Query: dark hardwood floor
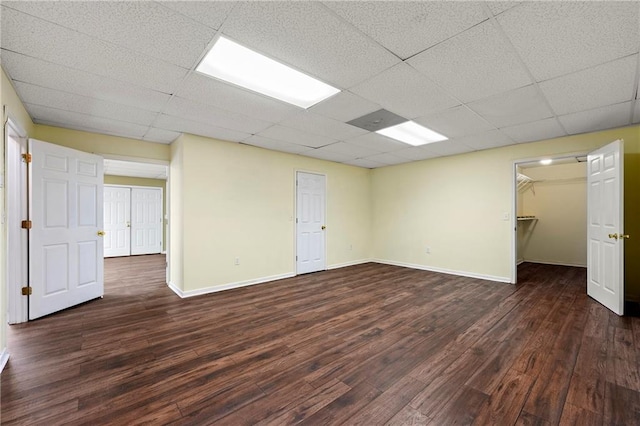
369,344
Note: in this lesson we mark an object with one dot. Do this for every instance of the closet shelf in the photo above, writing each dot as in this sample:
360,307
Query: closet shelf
527,218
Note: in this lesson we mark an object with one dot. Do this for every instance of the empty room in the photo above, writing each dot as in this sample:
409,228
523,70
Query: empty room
327,213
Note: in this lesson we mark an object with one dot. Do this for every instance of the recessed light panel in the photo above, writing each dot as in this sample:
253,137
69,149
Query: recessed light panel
412,133
546,161
236,64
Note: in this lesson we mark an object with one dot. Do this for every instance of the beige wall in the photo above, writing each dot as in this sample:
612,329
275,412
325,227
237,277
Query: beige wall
455,205
239,201
558,200
156,183
12,107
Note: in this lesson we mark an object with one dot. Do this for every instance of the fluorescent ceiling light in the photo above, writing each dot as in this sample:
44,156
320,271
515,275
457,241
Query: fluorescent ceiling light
236,64
412,133
546,161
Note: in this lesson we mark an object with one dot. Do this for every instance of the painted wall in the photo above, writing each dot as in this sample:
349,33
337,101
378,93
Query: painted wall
156,183
558,200
102,144
12,107
456,205
239,201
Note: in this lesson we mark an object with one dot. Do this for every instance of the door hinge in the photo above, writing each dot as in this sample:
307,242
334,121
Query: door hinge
26,157
27,291
296,258
27,224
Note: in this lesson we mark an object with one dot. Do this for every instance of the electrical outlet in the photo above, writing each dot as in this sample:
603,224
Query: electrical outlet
237,261
505,216
350,246
427,250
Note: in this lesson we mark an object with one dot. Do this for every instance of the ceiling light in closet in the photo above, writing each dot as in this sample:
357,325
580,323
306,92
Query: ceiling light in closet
234,63
546,161
412,133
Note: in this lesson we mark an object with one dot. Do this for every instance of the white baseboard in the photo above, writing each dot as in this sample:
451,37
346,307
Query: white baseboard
163,252
214,289
4,357
519,261
551,262
445,271
352,263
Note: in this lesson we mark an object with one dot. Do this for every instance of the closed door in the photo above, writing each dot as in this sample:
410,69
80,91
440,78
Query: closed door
605,257
310,223
65,243
146,220
117,221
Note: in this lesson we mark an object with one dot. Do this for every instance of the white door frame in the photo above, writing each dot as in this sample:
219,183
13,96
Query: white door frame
514,204
295,216
16,304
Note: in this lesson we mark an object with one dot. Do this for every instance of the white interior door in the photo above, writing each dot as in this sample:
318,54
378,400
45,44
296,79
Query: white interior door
117,221
65,246
146,220
605,257
310,222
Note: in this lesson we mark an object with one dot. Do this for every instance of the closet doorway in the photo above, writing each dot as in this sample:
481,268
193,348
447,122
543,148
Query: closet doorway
133,220
551,211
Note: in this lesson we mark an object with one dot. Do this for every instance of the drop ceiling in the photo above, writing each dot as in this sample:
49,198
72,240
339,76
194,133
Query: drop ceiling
485,74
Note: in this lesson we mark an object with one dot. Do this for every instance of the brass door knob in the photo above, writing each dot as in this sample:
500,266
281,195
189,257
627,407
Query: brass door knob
323,227
101,233
625,236
614,236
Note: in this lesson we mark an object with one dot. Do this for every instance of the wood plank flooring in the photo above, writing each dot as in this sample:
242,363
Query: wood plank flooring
364,345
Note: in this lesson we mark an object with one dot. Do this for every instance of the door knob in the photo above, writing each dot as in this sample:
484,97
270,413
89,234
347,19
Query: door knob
614,236
323,227
128,224
101,233
625,236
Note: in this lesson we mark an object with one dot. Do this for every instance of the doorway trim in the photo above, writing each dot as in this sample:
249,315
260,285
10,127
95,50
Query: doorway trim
514,203
16,304
295,216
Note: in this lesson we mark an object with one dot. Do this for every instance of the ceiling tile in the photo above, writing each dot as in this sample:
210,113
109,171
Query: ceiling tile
404,91
223,95
473,65
178,124
42,114
160,135
497,7
30,70
605,84
344,107
210,13
386,159
63,46
325,154
191,110
548,128
416,153
144,27
361,162
555,38
412,27
486,140
450,147
518,106
597,119
37,95
309,37
275,145
354,151
377,142
455,122
318,125
288,134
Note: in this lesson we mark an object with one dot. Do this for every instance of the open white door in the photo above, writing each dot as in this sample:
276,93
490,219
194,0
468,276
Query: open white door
605,257
117,221
310,224
65,241
146,220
